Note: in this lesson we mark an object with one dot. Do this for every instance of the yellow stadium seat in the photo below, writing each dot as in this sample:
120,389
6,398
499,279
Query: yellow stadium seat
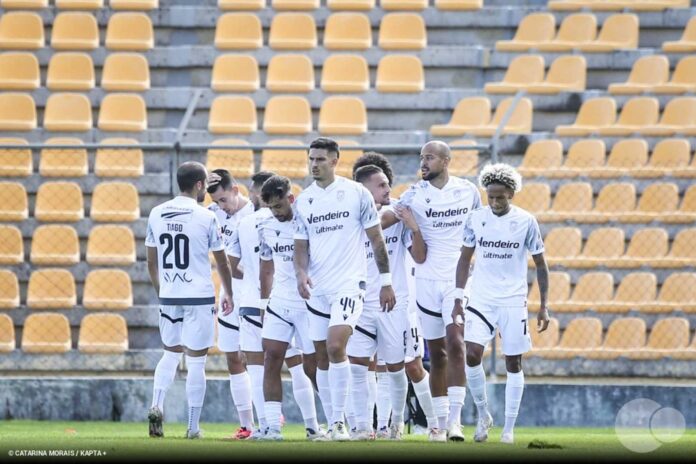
51,289
11,246
232,115
679,116
282,5
682,253
103,334
70,71
571,200
342,116
119,162
59,202
295,189
402,31
613,201
290,73
687,42
238,31
647,247
130,32
637,113
669,157
459,5
348,31
9,290
399,189
55,245
559,291
635,292
115,202
108,289
657,200
591,288
659,5
576,30
583,156
562,243
293,31
687,209
464,161
619,32
533,30
647,73
347,158
7,334
678,292
19,71
240,163
357,5
667,336
625,157
79,4
541,158
126,72
291,163
570,5
111,246
520,122
287,115
683,79
24,4
345,73
14,205
17,112
546,339
68,112
688,353
624,335
469,112
56,162
400,73
567,73
580,336
21,30
235,73
75,31
134,4
17,162
593,114
237,5
123,112
534,197
523,71
46,333
603,244
413,5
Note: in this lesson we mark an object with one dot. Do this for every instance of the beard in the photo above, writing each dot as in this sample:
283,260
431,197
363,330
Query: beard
201,196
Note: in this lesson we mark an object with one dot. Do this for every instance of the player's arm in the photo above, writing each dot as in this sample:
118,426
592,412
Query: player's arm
266,271
463,266
225,274
542,271
388,219
234,267
387,298
301,264
153,267
418,248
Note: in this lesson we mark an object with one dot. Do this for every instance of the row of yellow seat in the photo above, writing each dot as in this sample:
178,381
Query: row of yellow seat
23,30
49,333
52,288
616,5
537,31
295,73
64,202
637,291
343,31
389,5
81,4
472,116
651,74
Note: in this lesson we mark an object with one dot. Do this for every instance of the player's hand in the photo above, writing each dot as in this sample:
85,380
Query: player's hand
543,319
405,214
304,284
227,305
458,313
387,299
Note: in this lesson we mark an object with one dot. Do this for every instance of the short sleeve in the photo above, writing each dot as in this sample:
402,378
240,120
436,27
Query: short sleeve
368,210
216,241
233,248
300,225
476,203
534,242
150,235
406,198
265,250
469,234
407,237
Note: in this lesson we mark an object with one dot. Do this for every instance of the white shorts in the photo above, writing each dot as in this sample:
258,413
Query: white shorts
414,340
190,326
286,321
511,322
326,311
435,301
384,333
228,326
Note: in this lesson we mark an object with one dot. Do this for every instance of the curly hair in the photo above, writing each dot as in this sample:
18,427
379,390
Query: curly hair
375,159
503,174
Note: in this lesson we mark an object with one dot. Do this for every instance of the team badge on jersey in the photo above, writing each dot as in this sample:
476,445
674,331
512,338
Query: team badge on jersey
457,194
340,195
513,225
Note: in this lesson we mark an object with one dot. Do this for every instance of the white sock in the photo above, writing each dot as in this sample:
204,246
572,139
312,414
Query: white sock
425,399
325,393
383,400
240,388
351,416
399,390
164,376
514,387
195,389
476,380
272,409
339,378
456,397
303,392
441,409
256,377
360,391
371,396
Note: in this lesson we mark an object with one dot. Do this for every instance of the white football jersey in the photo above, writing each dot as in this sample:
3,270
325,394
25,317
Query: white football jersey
441,214
245,245
333,221
501,242
183,233
278,245
229,223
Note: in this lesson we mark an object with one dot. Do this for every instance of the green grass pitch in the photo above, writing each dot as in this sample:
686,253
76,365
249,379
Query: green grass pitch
119,441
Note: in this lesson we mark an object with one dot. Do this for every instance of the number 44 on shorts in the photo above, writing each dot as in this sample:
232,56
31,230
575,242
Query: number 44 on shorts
347,303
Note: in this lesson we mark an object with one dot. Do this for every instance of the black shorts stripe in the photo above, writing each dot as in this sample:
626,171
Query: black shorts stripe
249,311
253,322
228,325
428,312
270,311
317,313
187,301
472,310
170,318
365,332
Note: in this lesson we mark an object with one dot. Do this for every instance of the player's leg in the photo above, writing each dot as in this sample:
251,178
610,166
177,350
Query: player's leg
418,375
318,316
456,382
516,341
384,405
361,347
393,331
251,346
372,388
276,334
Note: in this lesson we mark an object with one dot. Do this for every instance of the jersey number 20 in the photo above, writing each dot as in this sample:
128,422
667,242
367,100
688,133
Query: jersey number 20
179,243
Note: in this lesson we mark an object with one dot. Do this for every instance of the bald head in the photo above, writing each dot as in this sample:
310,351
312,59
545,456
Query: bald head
192,178
437,148
434,159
